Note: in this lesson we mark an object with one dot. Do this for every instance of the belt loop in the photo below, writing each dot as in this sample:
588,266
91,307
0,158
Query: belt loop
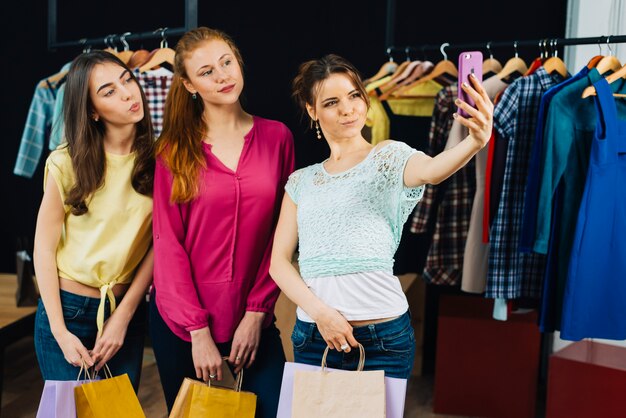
86,302
372,328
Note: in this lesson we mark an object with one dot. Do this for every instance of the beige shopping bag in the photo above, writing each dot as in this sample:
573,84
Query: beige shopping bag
339,394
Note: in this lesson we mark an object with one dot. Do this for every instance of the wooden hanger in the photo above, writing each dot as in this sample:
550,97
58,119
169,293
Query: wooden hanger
491,65
620,73
555,63
126,54
109,47
513,65
394,78
609,62
407,74
159,56
139,57
386,69
594,61
443,67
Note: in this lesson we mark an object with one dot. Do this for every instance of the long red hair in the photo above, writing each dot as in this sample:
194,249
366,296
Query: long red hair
180,143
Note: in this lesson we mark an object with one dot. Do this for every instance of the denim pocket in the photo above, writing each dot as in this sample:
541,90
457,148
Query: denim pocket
401,344
299,339
71,312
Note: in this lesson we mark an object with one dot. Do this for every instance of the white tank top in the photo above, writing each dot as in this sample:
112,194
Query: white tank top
359,296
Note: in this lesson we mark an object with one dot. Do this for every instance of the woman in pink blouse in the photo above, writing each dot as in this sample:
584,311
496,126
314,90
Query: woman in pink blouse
217,193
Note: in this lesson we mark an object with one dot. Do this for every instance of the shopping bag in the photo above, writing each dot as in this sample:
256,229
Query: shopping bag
395,391
196,399
26,293
339,394
111,397
57,397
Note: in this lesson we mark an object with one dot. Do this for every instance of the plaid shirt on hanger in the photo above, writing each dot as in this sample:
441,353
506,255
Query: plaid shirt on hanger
513,274
450,203
155,88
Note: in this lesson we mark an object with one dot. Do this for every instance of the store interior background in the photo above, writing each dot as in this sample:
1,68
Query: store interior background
274,38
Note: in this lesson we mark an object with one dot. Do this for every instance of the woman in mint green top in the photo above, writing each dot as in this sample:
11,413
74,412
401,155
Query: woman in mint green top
346,215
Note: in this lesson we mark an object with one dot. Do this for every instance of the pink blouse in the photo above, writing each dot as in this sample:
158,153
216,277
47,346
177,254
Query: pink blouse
212,255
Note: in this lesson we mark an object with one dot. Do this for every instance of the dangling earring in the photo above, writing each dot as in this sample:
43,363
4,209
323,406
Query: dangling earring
194,96
317,129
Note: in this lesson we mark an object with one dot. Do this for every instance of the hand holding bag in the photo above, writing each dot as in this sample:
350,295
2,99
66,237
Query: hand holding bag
196,399
339,394
57,397
111,397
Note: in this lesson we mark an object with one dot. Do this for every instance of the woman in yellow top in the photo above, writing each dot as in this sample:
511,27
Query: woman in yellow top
93,242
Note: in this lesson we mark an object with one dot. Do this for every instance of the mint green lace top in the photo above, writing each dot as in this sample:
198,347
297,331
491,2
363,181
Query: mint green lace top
352,221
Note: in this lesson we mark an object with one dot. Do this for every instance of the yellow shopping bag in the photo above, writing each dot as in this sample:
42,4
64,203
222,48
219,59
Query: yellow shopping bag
198,400
112,397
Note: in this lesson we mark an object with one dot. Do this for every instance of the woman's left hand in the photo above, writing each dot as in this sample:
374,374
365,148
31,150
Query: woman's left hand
246,340
111,339
480,121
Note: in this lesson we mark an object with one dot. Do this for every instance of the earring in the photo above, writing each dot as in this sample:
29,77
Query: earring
96,119
317,129
194,96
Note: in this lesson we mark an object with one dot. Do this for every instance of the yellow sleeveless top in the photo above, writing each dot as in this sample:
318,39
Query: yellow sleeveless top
104,246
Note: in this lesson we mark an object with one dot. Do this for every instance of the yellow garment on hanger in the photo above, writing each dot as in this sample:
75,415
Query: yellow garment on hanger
378,120
375,84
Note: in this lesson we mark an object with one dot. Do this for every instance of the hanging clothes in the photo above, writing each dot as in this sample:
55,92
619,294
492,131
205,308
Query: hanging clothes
413,130
155,84
596,290
378,117
442,262
38,124
440,125
512,274
568,134
57,134
529,221
476,253
496,160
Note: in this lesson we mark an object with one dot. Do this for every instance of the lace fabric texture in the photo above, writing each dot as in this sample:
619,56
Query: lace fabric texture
352,221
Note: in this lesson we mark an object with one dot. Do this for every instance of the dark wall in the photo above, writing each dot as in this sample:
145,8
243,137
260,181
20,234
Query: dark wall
274,38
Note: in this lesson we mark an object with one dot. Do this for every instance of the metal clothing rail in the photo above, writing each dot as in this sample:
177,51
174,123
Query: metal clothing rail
553,43
191,21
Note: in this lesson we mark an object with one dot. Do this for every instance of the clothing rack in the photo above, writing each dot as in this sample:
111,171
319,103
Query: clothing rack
557,42
191,21
541,43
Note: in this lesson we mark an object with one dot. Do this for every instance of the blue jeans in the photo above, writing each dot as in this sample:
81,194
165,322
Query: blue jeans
174,361
389,346
79,313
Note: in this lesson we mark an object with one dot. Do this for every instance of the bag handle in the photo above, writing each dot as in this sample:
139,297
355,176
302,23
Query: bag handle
84,370
238,379
360,366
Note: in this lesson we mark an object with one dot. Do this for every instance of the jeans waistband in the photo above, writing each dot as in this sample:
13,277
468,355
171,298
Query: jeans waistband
385,329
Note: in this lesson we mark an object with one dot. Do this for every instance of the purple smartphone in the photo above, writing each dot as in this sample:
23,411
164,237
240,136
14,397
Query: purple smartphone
469,62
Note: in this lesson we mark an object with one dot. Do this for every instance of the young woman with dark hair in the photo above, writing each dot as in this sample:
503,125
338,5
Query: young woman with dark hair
217,192
93,256
346,214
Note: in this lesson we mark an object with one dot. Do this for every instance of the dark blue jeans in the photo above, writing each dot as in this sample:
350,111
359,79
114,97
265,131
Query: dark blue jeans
174,361
389,346
79,313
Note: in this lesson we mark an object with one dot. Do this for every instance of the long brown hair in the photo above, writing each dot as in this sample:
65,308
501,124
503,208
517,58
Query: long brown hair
311,73
85,136
180,143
